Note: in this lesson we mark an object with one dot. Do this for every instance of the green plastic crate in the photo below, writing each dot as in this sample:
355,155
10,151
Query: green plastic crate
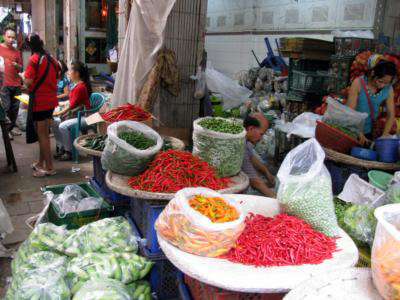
77,219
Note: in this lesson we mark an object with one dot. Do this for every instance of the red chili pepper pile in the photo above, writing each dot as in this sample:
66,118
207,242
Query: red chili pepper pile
174,170
126,112
280,241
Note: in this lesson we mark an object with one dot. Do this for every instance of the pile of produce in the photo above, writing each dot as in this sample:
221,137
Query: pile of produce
125,267
130,147
360,223
221,143
127,112
181,225
312,202
280,241
343,129
221,125
113,290
96,143
137,140
111,235
55,263
360,64
214,208
385,262
174,170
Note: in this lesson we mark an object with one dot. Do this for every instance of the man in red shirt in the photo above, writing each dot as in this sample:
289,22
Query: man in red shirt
12,81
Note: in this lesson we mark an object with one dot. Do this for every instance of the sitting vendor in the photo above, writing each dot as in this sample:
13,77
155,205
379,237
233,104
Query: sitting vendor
372,91
79,97
261,179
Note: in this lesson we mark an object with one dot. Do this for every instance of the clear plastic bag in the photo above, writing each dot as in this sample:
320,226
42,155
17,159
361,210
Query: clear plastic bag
358,191
266,146
232,93
139,290
124,267
73,199
121,157
305,187
103,289
47,281
344,116
195,233
200,87
223,151
385,257
5,221
21,118
108,235
304,125
393,194
360,223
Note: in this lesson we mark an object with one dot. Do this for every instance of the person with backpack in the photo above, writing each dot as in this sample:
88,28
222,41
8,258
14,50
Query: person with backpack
40,77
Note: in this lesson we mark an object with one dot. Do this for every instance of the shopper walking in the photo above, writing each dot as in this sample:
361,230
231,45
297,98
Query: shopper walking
12,82
41,77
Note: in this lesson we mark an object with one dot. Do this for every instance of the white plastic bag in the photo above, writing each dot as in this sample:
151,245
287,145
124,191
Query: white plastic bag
386,252
200,88
358,191
21,119
305,187
121,157
5,221
223,151
195,233
343,116
365,34
102,288
232,93
304,125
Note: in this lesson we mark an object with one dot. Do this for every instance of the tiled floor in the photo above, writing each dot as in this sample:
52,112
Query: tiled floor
21,192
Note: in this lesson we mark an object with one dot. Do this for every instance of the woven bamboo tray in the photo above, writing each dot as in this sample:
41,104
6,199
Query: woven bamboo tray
366,164
119,183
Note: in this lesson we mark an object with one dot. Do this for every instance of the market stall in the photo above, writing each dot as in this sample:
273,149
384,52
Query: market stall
228,275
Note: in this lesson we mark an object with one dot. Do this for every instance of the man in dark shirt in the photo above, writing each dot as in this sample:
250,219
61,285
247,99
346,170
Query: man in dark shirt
256,125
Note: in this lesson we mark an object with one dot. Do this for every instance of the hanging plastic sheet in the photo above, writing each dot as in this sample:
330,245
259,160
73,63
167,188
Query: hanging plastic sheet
144,37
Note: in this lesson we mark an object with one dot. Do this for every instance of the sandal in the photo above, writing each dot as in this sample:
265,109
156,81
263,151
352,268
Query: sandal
35,166
39,173
50,173
43,173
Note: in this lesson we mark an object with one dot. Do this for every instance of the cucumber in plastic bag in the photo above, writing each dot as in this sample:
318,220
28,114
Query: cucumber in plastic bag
106,236
103,289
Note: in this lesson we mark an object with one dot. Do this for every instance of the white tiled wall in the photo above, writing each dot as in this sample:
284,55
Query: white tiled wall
231,54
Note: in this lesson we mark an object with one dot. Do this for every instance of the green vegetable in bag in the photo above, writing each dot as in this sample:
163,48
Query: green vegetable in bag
103,289
139,290
361,223
124,267
106,235
221,143
393,194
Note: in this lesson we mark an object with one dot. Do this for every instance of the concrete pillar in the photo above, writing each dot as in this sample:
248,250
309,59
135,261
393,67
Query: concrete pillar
44,23
70,29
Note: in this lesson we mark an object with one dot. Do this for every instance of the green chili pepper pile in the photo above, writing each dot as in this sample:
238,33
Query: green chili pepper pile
96,143
221,125
137,139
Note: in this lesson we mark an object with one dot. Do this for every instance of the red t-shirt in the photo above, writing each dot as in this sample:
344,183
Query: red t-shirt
46,95
11,55
79,95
